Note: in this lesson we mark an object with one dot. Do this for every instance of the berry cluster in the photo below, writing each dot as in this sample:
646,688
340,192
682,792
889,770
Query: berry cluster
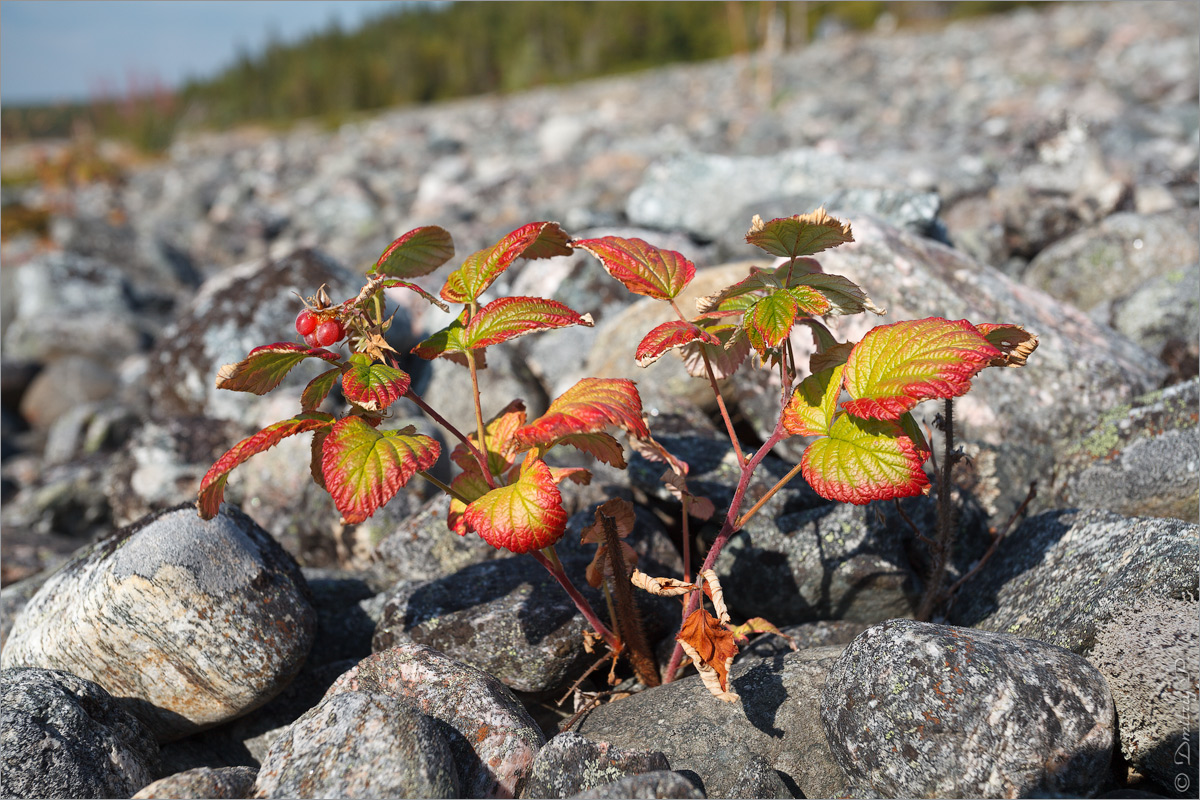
317,333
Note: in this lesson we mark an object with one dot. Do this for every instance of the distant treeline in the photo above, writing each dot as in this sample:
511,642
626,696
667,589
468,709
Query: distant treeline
423,52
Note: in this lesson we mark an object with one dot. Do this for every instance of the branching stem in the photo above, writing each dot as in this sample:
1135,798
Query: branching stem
549,559
446,424
944,542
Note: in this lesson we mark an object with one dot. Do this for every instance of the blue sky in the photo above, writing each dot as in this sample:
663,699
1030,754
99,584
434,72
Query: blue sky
67,49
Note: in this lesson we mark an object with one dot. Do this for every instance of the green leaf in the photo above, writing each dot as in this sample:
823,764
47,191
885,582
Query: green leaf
642,267
842,294
896,366
589,406
801,235
480,269
863,460
528,515
811,409
769,321
450,342
318,389
266,367
371,385
416,253
668,336
741,295
212,485
510,317
365,467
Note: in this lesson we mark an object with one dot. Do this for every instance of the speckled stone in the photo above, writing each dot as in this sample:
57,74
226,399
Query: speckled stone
777,719
1062,576
497,739
649,784
1150,657
222,783
758,779
913,709
63,736
359,744
190,622
570,763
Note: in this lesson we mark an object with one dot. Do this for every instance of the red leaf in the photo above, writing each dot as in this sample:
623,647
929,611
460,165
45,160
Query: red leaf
371,385
896,366
471,486
642,267
801,235
863,460
365,467
599,445
510,317
587,407
412,287
528,515
416,253
212,486
535,240
667,336
266,367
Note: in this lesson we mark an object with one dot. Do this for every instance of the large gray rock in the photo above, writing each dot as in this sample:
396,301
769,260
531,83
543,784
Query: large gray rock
359,744
190,622
64,736
1139,460
1120,254
496,738
777,719
570,763
1062,576
232,313
657,784
222,783
1163,316
913,709
1149,658
508,617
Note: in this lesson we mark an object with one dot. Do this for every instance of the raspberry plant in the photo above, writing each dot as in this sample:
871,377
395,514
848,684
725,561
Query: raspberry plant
856,401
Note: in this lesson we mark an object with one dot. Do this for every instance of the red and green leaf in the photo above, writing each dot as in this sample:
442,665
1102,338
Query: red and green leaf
896,366
471,486
843,295
372,385
498,432
811,409
212,486
600,446
527,515
670,335
416,253
741,295
642,267
510,317
769,321
266,367
863,460
450,342
589,406
800,235
365,467
480,269
1014,343
318,389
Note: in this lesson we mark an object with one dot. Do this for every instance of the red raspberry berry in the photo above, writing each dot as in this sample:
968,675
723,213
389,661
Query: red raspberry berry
306,322
310,339
329,332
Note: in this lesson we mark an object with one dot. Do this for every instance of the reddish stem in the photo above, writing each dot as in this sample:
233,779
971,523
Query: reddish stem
585,608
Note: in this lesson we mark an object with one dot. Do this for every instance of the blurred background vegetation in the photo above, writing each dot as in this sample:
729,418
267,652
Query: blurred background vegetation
426,52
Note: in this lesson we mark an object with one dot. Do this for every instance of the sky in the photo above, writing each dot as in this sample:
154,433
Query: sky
54,50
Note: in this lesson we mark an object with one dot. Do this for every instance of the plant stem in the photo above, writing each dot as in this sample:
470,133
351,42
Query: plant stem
729,528
712,381
762,501
945,524
548,559
445,488
445,423
480,429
